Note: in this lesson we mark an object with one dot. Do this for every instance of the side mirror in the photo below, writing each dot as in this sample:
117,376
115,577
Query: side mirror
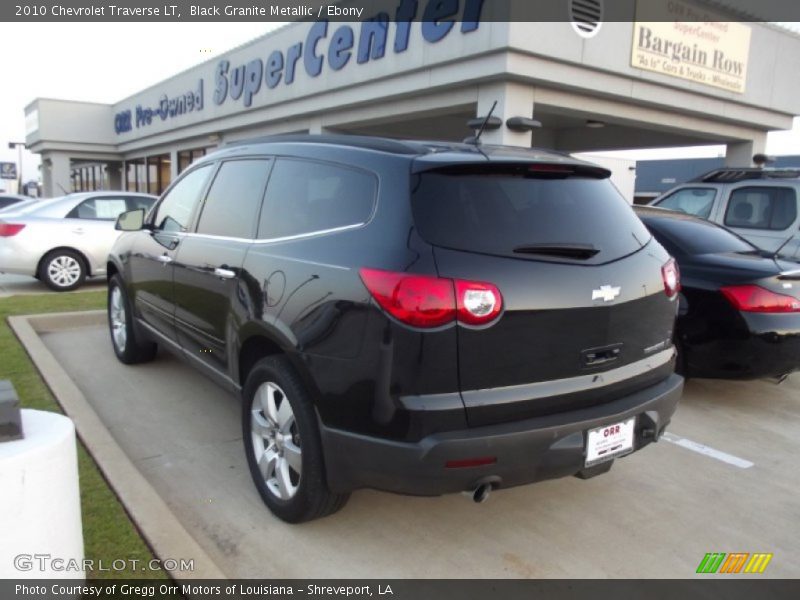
133,220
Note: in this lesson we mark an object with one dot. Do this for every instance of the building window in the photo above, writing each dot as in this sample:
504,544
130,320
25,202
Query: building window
150,175
187,157
158,173
141,176
89,178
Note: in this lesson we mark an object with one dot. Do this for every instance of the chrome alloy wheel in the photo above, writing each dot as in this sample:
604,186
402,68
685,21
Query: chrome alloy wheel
276,441
64,270
118,318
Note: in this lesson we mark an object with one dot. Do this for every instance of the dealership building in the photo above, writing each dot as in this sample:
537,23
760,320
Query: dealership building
696,76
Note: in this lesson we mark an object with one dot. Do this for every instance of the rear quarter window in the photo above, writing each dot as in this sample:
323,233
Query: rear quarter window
502,211
305,197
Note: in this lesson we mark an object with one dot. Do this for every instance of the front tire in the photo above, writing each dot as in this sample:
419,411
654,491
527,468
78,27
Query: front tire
128,347
282,444
63,270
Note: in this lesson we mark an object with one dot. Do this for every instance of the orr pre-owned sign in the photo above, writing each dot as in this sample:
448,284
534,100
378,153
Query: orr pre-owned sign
684,41
326,46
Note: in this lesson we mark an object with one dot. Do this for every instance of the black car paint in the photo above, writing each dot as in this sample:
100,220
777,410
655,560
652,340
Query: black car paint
718,340
387,388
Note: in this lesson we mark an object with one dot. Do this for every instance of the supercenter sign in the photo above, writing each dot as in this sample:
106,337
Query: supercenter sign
690,43
332,46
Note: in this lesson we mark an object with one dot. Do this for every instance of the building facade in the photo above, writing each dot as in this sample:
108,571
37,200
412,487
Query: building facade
603,86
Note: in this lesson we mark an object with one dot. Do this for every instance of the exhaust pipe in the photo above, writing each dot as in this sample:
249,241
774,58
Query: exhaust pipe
778,380
480,494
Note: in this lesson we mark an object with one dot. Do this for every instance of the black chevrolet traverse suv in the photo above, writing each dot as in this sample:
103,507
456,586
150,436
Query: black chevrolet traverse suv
417,317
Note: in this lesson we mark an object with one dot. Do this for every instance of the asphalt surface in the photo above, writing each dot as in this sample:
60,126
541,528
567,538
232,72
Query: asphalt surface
726,480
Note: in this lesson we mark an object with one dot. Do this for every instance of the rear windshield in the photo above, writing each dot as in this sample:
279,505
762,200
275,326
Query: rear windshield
699,237
526,214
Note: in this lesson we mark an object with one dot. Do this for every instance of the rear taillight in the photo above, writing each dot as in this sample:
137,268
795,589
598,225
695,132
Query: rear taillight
672,278
753,298
477,302
426,302
417,300
9,229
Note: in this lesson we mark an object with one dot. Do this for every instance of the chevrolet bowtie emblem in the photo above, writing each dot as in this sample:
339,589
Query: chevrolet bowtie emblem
606,293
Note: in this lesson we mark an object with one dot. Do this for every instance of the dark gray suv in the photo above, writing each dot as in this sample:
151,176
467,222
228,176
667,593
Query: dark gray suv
416,317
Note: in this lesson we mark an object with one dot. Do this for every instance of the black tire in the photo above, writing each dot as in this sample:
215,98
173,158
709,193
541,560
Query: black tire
62,270
128,347
311,498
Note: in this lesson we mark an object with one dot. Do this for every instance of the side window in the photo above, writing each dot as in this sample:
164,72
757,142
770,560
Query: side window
306,197
772,208
693,201
102,209
175,210
232,203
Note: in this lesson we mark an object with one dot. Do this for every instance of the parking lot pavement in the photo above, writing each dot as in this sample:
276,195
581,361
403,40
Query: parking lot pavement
656,514
14,285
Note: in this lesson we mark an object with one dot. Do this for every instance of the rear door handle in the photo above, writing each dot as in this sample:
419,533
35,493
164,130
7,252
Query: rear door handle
164,258
224,273
594,357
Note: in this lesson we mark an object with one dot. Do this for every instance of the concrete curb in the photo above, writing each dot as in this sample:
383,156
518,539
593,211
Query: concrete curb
157,523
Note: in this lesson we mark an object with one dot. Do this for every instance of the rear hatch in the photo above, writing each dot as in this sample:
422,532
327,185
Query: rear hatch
585,315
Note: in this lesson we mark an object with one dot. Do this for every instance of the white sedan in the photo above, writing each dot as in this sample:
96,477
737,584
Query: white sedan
64,240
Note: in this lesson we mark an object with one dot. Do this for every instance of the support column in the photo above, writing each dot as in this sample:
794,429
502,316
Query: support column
740,154
173,165
114,170
513,100
55,174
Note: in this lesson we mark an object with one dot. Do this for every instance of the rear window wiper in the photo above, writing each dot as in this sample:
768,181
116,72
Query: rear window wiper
579,251
777,252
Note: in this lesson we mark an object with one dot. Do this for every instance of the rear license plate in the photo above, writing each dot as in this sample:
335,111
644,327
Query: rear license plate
609,441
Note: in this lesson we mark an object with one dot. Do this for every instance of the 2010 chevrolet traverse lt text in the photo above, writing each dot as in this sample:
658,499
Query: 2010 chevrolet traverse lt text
417,317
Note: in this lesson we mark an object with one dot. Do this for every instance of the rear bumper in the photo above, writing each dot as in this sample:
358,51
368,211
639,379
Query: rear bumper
526,451
15,258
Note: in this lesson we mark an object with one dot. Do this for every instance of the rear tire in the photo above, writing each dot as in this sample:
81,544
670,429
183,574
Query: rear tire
128,347
282,444
62,270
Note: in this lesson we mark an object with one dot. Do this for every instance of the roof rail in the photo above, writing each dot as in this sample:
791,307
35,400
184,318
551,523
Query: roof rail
355,141
734,174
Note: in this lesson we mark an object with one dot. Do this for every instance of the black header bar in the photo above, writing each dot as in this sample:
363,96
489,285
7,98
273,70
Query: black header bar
403,589
143,11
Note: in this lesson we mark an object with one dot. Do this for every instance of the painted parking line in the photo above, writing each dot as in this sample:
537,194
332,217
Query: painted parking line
707,451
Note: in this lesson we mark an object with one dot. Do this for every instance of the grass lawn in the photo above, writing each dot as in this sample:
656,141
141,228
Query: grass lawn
108,532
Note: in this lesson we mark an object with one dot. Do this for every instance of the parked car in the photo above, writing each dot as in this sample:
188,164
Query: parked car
64,240
761,205
8,200
18,205
415,317
739,315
